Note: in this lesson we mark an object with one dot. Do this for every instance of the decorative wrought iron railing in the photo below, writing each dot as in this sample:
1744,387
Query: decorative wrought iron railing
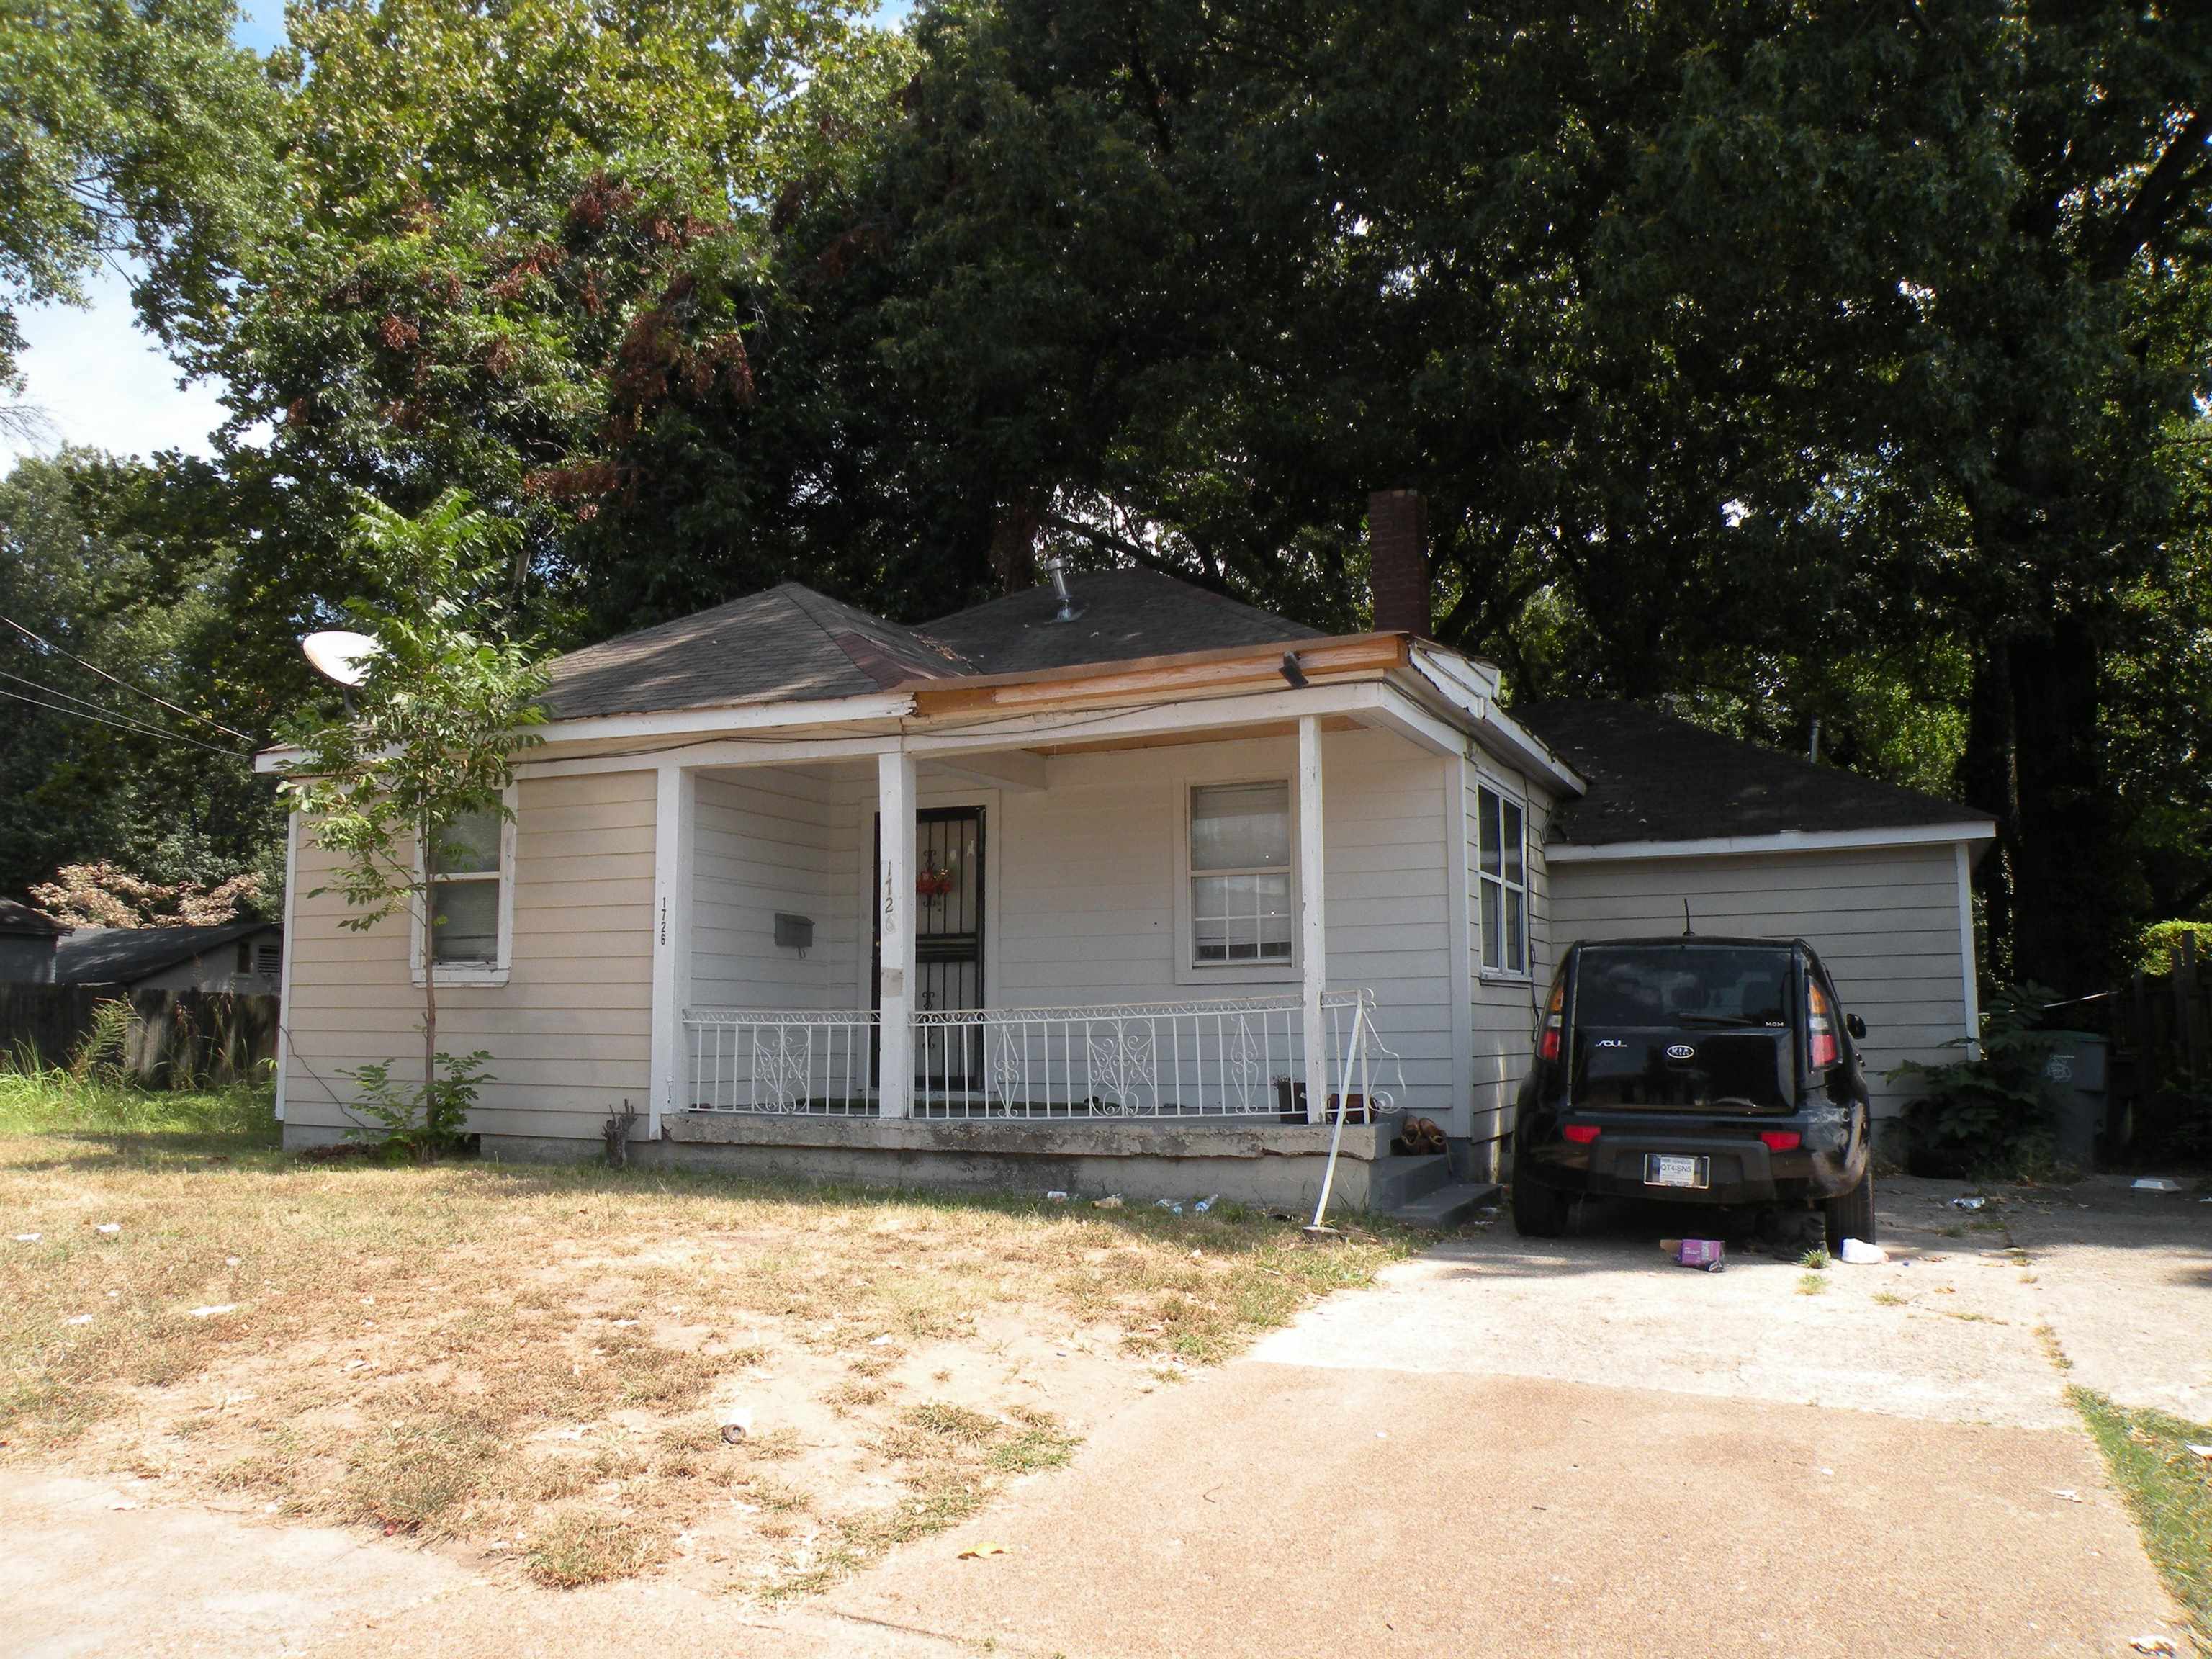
1238,1057
782,1060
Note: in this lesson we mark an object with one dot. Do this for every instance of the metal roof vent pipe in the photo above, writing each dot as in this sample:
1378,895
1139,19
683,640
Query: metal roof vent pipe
1056,567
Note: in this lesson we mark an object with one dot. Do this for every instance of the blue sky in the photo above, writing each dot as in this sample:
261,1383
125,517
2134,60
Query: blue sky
101,381
96,376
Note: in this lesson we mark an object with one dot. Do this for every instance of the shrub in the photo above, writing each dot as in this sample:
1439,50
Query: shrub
1993,1113
421,1121
2159,943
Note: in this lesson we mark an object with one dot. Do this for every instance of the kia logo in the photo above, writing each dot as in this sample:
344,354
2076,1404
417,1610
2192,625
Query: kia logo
1680,1051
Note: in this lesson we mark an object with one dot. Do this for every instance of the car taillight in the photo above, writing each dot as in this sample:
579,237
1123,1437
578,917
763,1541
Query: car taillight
1821,1047
1547,1045
1581,1134
1781,1140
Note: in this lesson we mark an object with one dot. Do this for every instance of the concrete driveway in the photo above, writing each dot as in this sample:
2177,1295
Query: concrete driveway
1503,1450
1578,1447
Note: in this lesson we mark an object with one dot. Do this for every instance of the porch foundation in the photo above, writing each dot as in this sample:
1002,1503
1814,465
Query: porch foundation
1277,1165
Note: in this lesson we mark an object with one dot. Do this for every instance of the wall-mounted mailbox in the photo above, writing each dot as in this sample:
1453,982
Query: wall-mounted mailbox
793,932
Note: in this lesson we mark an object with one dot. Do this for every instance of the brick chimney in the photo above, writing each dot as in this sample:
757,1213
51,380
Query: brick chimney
1397,561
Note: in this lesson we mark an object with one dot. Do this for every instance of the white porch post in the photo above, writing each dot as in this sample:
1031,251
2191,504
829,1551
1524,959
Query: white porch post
675,810
1313,931
895,907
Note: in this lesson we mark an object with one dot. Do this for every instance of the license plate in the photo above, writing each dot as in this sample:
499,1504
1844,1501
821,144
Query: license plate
1666,1170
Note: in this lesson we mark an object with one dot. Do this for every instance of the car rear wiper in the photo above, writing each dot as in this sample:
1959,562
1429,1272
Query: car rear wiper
1728,1020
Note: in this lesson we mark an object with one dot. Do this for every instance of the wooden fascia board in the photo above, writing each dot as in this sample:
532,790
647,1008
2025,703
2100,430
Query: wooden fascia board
1153,679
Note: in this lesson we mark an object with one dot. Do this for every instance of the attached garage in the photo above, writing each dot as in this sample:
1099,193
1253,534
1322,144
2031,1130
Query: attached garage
1876,878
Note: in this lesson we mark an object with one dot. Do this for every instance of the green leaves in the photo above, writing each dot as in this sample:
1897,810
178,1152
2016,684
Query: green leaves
128,127
433,729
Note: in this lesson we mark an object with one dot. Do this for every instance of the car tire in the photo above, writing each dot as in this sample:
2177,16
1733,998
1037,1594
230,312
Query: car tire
1538,1211
1851,1216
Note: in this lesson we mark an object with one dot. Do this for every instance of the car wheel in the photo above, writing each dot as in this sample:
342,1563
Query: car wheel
1851,1216
1538,1211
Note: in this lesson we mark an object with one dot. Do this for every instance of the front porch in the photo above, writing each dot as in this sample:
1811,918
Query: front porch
1241,1058
1079,966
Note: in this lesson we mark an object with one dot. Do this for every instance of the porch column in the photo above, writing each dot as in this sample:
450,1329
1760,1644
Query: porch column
1313,931
675,811
895,908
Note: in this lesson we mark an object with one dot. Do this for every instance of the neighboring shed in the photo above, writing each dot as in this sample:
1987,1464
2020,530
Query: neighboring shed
238,956
26,944
1876,878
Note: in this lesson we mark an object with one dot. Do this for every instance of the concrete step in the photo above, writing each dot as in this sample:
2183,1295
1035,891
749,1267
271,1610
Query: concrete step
1448,1206
1397,1180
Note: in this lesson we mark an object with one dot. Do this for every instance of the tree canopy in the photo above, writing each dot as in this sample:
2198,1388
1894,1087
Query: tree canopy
1789,367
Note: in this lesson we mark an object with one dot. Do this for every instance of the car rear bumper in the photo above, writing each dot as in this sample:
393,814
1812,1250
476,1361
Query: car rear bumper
1740,1169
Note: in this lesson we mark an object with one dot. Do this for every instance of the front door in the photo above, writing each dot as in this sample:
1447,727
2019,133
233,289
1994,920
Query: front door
948,941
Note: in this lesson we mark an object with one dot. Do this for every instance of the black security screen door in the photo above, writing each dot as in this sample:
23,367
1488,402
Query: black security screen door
948,939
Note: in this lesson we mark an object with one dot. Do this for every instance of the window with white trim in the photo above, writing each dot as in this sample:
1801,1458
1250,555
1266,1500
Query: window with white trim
1502,877
467,869
1240,874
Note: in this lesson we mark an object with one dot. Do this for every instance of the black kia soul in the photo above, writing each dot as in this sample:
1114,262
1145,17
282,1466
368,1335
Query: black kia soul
1696,1070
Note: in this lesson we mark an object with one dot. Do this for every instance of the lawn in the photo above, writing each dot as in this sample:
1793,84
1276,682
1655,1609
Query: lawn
534,1367
2168,1489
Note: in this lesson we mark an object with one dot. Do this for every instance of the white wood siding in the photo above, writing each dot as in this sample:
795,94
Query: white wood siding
1504,1007
770,839
1885,920
569,1032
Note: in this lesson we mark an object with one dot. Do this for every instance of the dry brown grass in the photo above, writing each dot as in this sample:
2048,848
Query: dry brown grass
532,1365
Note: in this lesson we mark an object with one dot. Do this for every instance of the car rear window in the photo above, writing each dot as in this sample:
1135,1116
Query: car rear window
1665,985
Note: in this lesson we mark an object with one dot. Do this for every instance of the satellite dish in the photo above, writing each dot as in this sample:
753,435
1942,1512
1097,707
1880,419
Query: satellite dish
341,656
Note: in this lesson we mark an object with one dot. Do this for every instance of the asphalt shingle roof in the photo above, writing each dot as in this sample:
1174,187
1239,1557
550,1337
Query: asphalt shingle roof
791,644
788,644
124,956
1653,777
1121,614
20,920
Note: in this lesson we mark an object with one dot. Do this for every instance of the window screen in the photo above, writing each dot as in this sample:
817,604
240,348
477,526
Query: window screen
1502,882
464,881
1240,873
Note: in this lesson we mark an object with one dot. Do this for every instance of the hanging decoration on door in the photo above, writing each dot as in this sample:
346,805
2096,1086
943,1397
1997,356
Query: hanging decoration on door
934,881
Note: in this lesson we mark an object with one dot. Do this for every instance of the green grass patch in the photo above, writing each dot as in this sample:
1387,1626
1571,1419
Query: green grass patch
2168,1490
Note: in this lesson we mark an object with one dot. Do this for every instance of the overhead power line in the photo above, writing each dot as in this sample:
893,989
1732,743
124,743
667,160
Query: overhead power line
131,726
136,690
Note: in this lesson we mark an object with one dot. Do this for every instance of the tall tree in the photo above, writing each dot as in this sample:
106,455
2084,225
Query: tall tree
514,229
127,568
130,130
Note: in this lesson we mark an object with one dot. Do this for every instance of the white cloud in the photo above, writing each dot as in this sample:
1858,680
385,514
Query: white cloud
101,380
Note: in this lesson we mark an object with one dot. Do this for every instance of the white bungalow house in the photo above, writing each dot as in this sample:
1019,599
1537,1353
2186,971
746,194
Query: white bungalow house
1090,887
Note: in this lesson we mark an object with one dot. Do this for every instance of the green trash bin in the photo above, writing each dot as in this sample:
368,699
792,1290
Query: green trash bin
2075,1071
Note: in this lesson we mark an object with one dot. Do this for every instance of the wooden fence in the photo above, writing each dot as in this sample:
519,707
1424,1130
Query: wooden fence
175,1038
2161,1025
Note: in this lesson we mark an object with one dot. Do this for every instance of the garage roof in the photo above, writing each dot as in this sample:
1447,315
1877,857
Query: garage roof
1655,778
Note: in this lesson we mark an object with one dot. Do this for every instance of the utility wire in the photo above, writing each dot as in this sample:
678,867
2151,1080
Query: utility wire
83,702
131,726
136,690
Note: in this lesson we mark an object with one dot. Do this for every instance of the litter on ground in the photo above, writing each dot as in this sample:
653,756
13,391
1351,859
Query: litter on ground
978,1551
1860,1254
2156,1184
1968,1203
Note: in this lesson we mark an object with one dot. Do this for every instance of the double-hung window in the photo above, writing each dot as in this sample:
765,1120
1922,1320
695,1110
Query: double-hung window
1502,877
467,870
1240,874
